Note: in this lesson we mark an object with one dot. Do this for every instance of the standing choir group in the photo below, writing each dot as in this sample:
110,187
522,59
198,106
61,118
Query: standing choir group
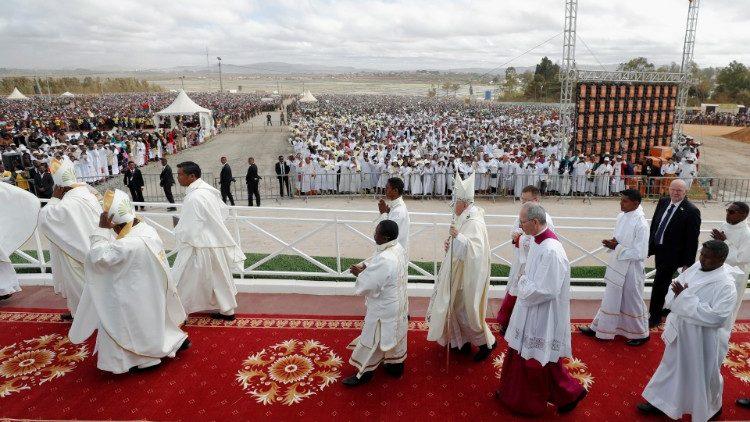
102,255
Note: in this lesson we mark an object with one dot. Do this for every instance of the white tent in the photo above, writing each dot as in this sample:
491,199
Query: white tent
67,94
184,106
307,97
16,95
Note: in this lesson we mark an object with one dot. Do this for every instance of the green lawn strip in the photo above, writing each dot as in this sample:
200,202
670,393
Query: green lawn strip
294,263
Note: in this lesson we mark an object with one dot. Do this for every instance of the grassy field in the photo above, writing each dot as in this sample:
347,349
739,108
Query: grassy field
299,264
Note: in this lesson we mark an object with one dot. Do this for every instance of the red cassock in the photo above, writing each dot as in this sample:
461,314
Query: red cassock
526,386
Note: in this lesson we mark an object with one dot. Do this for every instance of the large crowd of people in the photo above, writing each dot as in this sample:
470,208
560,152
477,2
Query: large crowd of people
101,134
354,143
718,119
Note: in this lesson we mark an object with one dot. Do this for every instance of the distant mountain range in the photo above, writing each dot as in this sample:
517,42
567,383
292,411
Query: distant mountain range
263,68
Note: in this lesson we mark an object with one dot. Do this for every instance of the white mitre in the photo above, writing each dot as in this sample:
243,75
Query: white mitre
119,207
63,172
463,190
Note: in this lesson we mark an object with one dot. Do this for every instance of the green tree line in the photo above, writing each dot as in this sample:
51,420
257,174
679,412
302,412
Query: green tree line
729,84
85,85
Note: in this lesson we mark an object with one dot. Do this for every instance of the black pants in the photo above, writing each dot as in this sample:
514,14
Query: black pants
226,192
662,281
284,181
168,194
252,190
137,194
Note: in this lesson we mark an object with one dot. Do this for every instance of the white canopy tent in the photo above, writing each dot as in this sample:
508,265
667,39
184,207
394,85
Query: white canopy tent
184,106
17,95
67,94
307,97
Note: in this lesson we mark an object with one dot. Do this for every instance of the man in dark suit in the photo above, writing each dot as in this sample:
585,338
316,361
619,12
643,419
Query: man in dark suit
134,182
282,174
252,179
673,241
225,181
166,181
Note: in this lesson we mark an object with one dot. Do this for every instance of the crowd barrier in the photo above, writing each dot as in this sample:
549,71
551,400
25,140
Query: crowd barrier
320,244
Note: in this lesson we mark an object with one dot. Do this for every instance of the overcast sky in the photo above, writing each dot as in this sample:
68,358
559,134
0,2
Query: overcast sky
437,34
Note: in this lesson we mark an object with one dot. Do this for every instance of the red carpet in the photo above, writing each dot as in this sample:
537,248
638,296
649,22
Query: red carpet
272,368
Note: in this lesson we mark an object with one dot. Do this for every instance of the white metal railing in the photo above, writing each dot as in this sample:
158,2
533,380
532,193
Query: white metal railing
333,234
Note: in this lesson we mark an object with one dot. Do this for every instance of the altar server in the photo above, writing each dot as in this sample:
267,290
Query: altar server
383,280
623,311
393,208
207,255
701,300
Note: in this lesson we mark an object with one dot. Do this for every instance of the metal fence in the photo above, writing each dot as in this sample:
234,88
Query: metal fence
701,189
325,242
707,189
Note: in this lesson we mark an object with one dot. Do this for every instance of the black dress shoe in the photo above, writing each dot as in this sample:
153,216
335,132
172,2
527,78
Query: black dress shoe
587,331
483,352
743,402
570,406
637,341
3,297
66,317
715,416
464,350
185,345
394,369
647,407
353,381
218,315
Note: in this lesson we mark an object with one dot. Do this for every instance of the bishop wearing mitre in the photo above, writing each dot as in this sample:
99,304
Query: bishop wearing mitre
68,220
456,314
17,223
129,297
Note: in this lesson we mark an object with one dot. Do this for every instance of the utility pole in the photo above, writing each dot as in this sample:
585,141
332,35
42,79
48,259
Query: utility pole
221,81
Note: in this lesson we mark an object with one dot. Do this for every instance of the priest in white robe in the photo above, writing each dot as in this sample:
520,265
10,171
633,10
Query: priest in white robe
383,280
538,334
521,244
735,232
18,221
688,379
458,307
68,220
207,254
129,297
623,311
393,208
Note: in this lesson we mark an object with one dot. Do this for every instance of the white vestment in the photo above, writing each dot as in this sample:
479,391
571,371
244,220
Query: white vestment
18,221
458,306
130,298
520,253
688,379
738,240
207,255
623,311
539,326
400,215
383,283
68,224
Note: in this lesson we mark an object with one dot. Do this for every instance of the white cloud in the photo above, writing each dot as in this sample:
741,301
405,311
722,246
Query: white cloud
382,34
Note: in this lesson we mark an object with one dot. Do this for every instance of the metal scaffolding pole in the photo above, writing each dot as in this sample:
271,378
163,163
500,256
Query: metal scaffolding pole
687,59
568,76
